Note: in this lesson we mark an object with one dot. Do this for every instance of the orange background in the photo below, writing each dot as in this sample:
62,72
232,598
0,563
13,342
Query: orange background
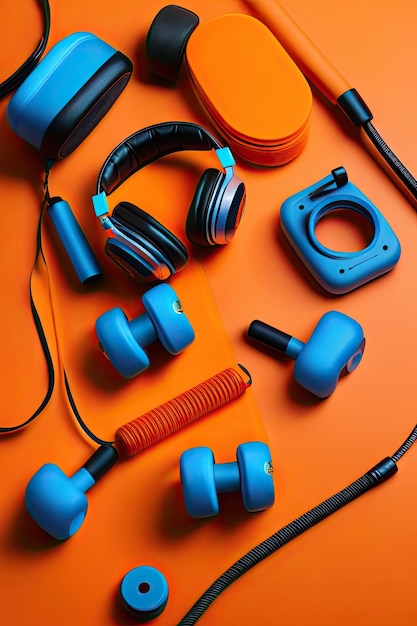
356,567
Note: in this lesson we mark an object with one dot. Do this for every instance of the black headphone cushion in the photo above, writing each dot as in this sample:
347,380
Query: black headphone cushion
166,40
162,242
132,264
198,226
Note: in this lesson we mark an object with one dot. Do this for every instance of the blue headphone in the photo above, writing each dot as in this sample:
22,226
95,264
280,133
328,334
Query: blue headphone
140,245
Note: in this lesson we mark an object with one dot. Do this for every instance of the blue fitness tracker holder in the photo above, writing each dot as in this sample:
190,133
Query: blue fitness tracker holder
338,272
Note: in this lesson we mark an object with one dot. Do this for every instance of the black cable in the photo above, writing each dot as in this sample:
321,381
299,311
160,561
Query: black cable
17,78
36,318
101,442
390,158
381,472
412,437
42,337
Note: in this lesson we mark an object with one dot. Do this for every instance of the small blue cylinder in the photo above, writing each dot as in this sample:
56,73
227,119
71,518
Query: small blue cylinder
74,241
144,593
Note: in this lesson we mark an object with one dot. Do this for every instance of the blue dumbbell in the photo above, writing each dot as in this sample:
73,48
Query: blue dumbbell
56,502
335,348
124,342
202,479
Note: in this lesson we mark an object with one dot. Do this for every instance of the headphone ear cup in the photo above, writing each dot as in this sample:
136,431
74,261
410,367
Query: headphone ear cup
130,263
157,246
199,218
167,39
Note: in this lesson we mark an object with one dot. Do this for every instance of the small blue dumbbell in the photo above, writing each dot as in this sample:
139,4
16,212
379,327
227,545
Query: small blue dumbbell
56,502
202,479
124,342
335,348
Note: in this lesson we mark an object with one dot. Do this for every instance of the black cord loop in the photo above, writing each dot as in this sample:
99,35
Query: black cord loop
17,78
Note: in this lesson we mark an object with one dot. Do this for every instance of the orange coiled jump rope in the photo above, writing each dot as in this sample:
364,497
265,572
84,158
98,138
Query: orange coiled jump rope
168,418
184,409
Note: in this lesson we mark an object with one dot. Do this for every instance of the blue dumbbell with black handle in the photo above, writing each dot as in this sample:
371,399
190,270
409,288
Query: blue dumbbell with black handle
124,342
335,348
202,479
57,502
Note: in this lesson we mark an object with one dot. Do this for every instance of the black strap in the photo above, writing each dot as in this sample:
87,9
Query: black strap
17,78
42,337
37,320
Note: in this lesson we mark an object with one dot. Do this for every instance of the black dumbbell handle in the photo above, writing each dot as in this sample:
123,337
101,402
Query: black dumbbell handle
269,336
101,461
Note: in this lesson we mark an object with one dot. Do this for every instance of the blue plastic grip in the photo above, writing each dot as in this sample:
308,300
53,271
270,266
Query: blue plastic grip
337,342
143,330
227,477
55,502
74,241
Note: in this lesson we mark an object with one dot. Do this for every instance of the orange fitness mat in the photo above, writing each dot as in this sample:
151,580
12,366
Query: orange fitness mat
357,565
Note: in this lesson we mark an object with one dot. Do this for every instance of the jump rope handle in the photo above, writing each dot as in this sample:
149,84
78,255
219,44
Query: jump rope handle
313,63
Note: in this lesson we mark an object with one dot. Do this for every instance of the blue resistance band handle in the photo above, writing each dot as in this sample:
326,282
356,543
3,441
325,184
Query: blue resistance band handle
74,241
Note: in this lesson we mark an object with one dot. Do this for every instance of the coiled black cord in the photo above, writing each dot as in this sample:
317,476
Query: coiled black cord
378,474
391,159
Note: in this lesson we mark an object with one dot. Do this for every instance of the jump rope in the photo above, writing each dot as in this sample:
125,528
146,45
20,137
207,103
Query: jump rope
156,425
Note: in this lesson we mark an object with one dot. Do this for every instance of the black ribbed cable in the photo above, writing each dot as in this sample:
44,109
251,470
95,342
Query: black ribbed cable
391,159
378,474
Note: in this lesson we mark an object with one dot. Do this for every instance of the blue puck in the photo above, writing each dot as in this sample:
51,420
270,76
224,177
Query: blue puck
144,592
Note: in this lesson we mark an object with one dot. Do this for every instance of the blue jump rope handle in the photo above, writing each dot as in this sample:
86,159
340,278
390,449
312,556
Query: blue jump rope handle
74,241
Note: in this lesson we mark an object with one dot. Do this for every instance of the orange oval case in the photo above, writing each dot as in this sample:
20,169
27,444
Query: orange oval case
251,89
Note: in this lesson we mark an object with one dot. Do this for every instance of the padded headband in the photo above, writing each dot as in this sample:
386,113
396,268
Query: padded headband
148,145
